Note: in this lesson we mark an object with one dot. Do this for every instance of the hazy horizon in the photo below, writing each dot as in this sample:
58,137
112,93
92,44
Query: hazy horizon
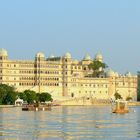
79,27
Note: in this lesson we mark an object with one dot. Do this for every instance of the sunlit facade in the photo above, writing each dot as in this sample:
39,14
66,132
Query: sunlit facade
64,77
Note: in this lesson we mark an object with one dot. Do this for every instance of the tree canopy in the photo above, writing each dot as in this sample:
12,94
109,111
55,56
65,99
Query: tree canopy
128,98
117,96
30,96
97,67
44,97
138,86
8,95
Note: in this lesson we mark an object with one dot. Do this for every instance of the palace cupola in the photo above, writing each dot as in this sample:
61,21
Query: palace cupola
110,73
67,56
40,56
87,57
128,74
86,60
3,54
99,57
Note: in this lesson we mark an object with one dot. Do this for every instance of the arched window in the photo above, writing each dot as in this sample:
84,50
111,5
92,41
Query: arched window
72,94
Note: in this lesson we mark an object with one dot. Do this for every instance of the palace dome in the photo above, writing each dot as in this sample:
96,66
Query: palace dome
110,73
40,54
116,74
128,74
67,55
51,56
3,52
87,57
99,56
75,61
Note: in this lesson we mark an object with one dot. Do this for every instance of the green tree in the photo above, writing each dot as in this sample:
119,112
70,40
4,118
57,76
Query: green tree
9,98
138,92
128,98
95,66
31,96
7,94
22,95
117,96
45,97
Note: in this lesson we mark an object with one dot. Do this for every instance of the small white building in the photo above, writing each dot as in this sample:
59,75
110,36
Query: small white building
19,102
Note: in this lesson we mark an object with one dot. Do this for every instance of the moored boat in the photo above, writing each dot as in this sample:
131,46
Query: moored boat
120,107
36,107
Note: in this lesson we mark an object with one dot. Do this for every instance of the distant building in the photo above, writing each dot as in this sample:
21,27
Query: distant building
64,77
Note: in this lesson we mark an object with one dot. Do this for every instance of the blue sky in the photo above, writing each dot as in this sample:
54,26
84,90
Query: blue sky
111,27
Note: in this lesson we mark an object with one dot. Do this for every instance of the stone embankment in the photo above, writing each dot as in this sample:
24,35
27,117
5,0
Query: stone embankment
134,103
6,106
91,101
85,101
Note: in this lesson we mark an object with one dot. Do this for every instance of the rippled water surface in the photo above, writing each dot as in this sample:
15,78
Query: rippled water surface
72,122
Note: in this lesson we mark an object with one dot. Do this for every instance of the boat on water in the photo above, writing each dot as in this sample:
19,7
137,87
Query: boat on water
120,107
36,107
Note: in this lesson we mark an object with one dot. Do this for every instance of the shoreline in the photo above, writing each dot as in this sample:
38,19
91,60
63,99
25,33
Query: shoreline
96,104
134,103
6,106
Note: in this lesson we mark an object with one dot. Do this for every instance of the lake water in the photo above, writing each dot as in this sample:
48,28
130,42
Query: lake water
66,123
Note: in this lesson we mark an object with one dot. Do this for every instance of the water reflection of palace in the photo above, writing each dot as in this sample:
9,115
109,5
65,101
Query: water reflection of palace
69,122
65,77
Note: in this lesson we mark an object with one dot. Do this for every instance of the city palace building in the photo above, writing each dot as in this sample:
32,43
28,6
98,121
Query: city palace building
64,77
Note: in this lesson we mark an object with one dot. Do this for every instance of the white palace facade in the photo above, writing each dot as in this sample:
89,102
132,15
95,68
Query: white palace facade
63,77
